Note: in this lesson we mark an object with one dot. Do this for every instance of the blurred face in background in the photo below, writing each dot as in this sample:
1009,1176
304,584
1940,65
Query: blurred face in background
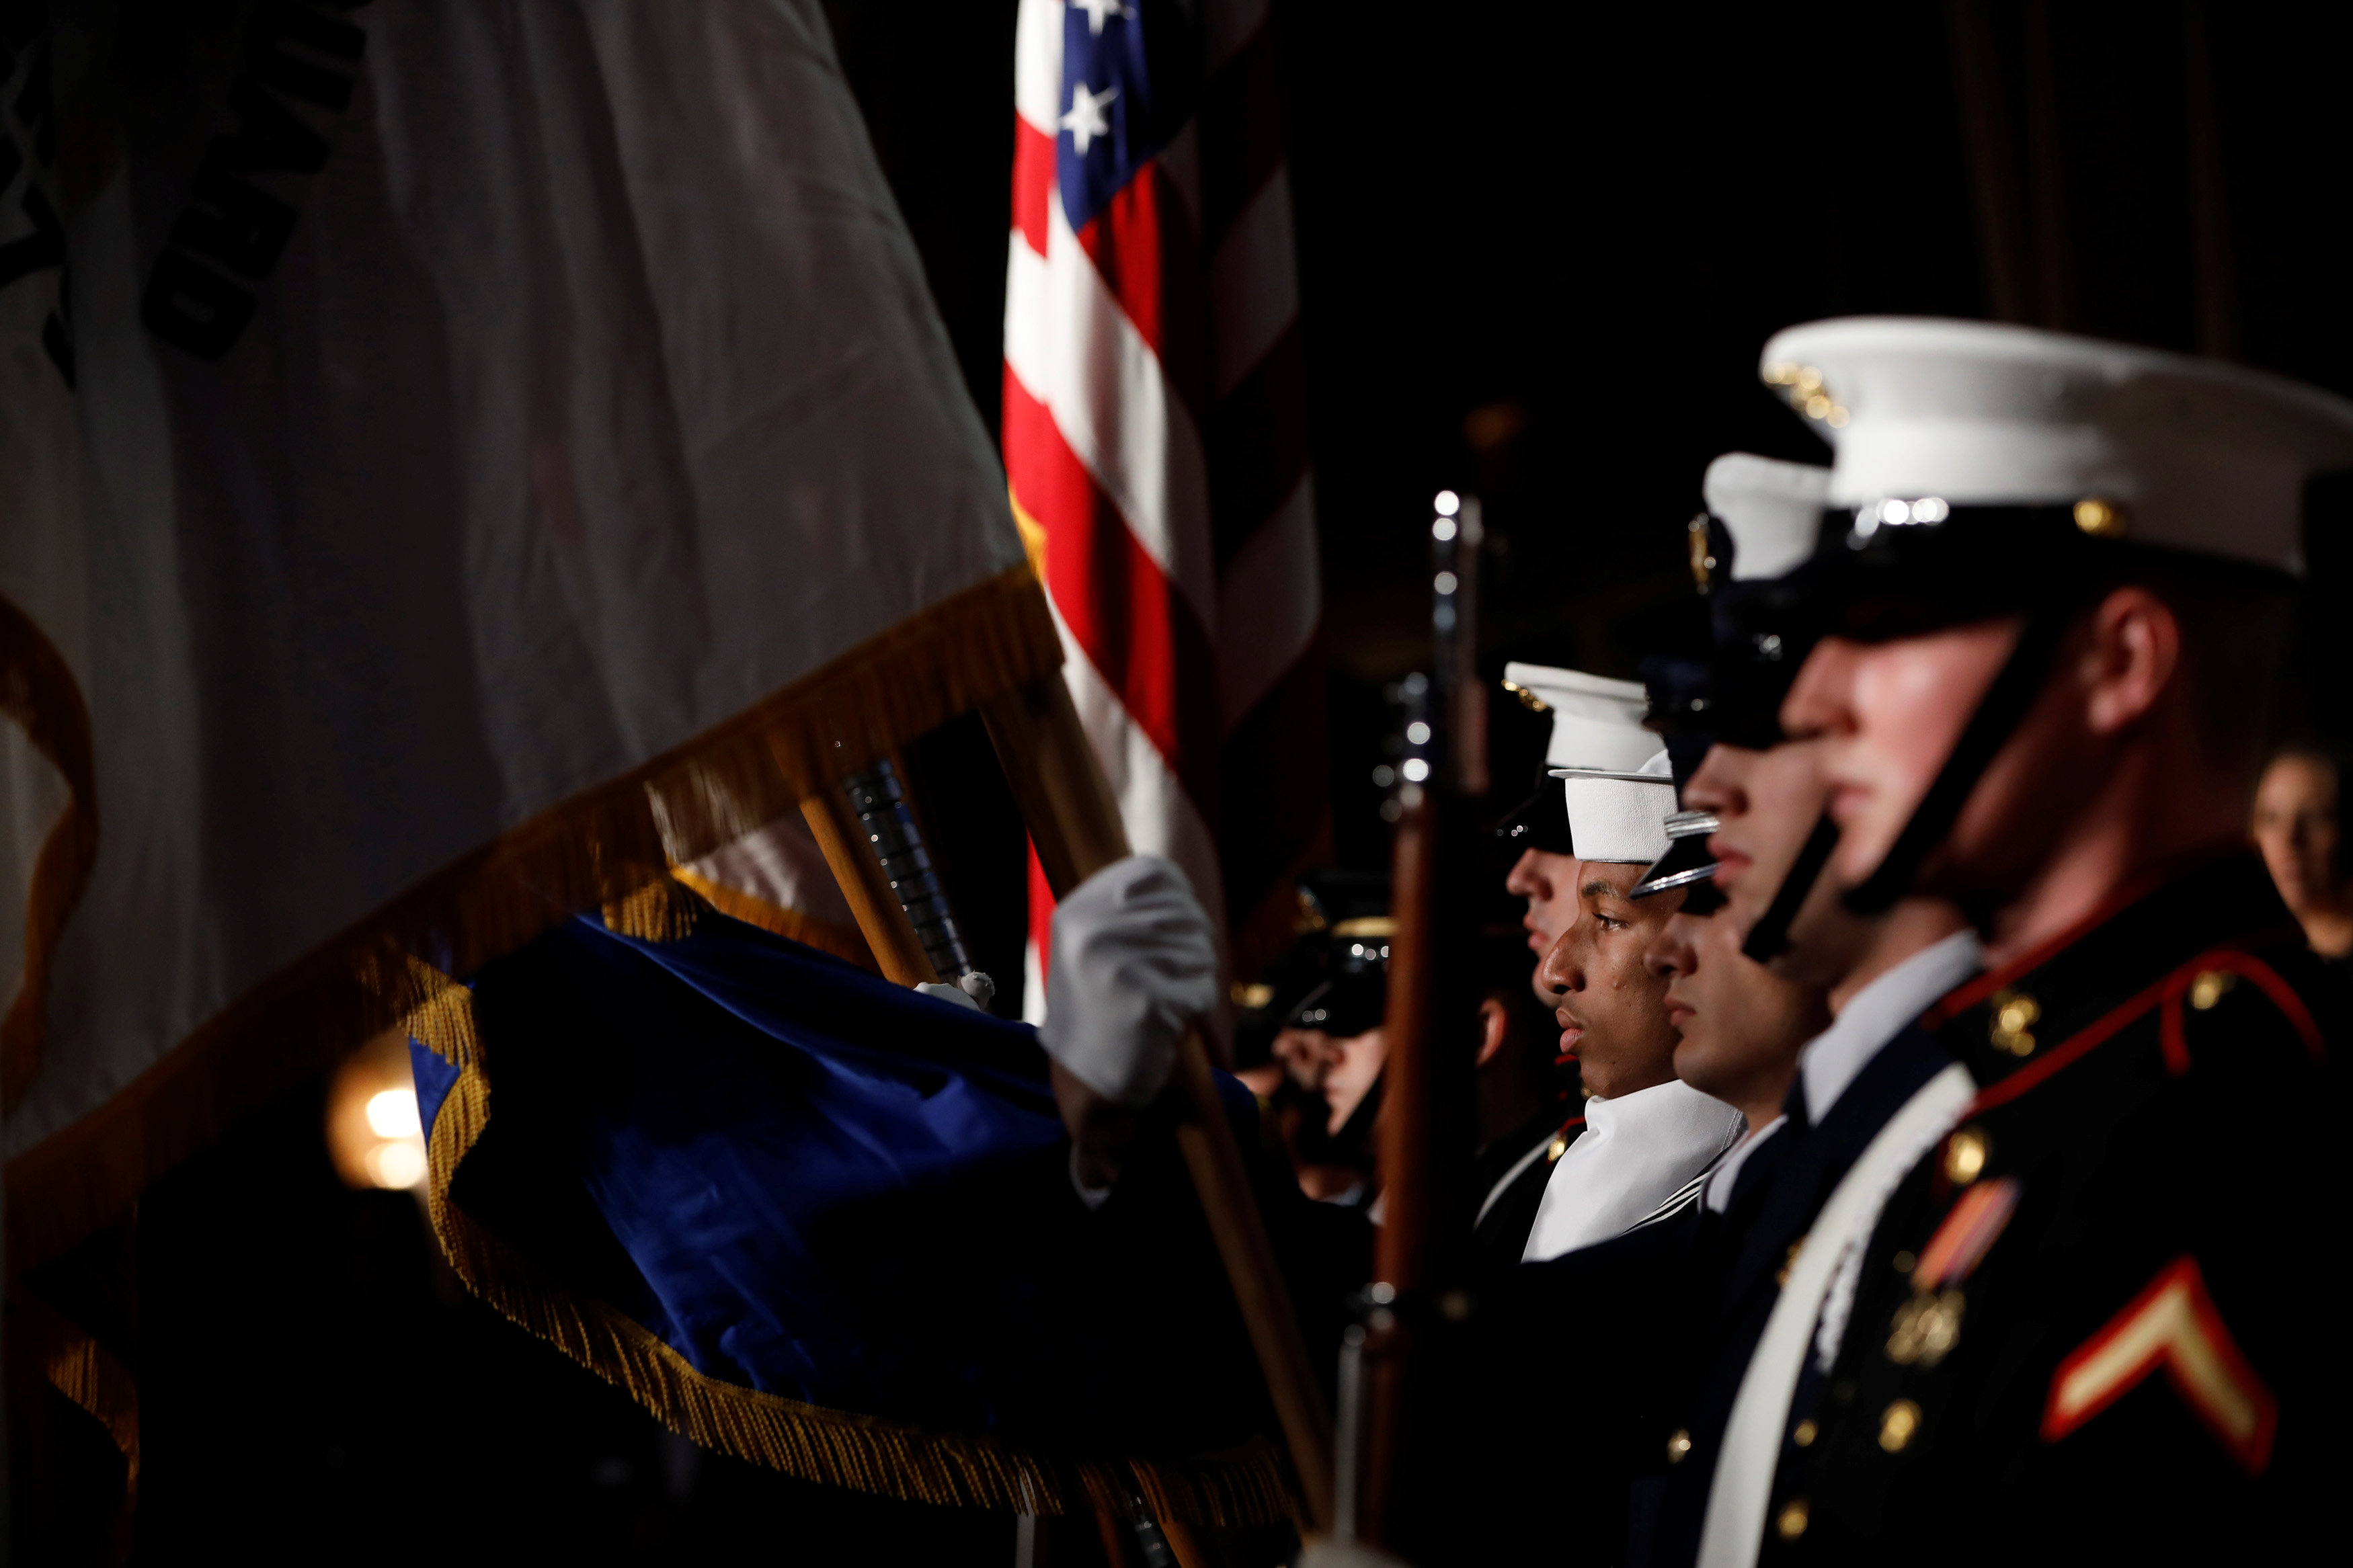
2295,828
1611,1006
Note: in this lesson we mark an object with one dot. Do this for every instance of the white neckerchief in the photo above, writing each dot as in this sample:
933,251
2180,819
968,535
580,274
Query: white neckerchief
1720,1180
1637,1150
1878,1013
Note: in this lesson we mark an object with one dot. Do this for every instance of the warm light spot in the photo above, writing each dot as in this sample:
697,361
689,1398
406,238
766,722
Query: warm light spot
397,1164
393,1114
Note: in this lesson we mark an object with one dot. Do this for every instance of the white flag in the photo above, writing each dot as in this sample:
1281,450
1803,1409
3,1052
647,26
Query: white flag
508,447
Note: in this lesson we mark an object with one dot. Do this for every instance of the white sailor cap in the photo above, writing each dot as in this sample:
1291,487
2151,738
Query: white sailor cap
1772,510
1929,416
1597,722
1621,816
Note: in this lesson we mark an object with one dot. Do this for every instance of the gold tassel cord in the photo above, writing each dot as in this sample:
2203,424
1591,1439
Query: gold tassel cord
805,1441
841,942
590,851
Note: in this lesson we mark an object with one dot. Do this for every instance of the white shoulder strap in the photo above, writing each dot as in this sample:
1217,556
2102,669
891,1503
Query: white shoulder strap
1743,1487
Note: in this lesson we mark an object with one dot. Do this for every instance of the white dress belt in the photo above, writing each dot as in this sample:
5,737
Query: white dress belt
1743,1487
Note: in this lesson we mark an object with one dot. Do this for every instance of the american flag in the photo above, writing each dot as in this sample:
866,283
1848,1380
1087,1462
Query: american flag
1155,434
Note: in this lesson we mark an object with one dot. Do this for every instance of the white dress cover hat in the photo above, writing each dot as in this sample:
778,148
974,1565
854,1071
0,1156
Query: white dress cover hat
2155,448
1597,722
1773,510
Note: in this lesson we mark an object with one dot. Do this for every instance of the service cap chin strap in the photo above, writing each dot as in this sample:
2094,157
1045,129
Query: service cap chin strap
2000,712
1768,939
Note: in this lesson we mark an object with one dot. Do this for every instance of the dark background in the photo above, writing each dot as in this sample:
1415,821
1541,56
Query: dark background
1541,246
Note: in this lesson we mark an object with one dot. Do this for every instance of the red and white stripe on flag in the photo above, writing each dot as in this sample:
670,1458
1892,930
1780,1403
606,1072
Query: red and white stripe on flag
1155,439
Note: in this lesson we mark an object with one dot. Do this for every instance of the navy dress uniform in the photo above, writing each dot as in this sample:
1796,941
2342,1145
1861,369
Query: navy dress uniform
2031,1324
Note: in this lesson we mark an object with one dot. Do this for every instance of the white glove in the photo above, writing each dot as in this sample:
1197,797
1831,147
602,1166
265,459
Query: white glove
1133,967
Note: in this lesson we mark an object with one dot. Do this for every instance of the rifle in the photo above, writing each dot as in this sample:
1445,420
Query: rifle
1422,1256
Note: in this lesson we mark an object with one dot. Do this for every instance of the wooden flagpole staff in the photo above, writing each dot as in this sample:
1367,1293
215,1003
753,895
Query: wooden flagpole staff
1074,822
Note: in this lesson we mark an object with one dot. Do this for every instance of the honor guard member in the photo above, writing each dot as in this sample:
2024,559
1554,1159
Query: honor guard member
1597,722
2050,588
1761,804
1525,1105
1649,1138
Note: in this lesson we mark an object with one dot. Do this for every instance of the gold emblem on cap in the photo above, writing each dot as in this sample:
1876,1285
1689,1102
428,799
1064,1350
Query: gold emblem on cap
1252,996
1803,385
1898,1423
1678,1446
1528,700
2100,518
1965,1155
1791,1522
1925,1328
1703,560
2015,1014
2210,987
1804,1434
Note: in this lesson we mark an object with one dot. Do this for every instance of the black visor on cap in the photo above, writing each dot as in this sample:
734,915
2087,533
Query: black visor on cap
1874,579
1539,822
1344,1006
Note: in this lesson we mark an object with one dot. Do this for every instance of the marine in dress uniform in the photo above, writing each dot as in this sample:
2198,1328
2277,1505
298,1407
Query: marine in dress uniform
2028,1325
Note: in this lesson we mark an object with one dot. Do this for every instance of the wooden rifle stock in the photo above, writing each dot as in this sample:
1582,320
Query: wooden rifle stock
1422,1253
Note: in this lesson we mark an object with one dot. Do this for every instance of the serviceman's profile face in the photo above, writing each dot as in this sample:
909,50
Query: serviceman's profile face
1887,715
1548,882
1738,1025
1610,1005
1767,802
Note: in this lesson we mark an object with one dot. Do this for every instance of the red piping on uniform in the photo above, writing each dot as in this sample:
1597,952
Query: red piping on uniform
2079,1044
2136,887
2170,1039
2282,994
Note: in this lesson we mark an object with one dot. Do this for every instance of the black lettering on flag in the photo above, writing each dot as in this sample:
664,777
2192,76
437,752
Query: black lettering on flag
192,306
245,229
270,139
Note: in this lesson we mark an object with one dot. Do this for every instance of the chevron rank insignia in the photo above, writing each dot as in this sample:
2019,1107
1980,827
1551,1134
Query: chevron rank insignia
2171,1324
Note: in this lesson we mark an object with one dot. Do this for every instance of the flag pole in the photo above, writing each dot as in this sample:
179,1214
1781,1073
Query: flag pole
1074,823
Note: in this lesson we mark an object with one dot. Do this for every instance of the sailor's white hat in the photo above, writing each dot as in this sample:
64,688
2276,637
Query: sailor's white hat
1621,816
2157,448
1772,510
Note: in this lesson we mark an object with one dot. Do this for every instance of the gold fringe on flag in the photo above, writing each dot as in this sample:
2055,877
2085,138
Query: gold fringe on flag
835,1447
590,851
842,942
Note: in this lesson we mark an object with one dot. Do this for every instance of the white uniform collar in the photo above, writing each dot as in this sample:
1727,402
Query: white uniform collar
1878,1013
1637,1150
